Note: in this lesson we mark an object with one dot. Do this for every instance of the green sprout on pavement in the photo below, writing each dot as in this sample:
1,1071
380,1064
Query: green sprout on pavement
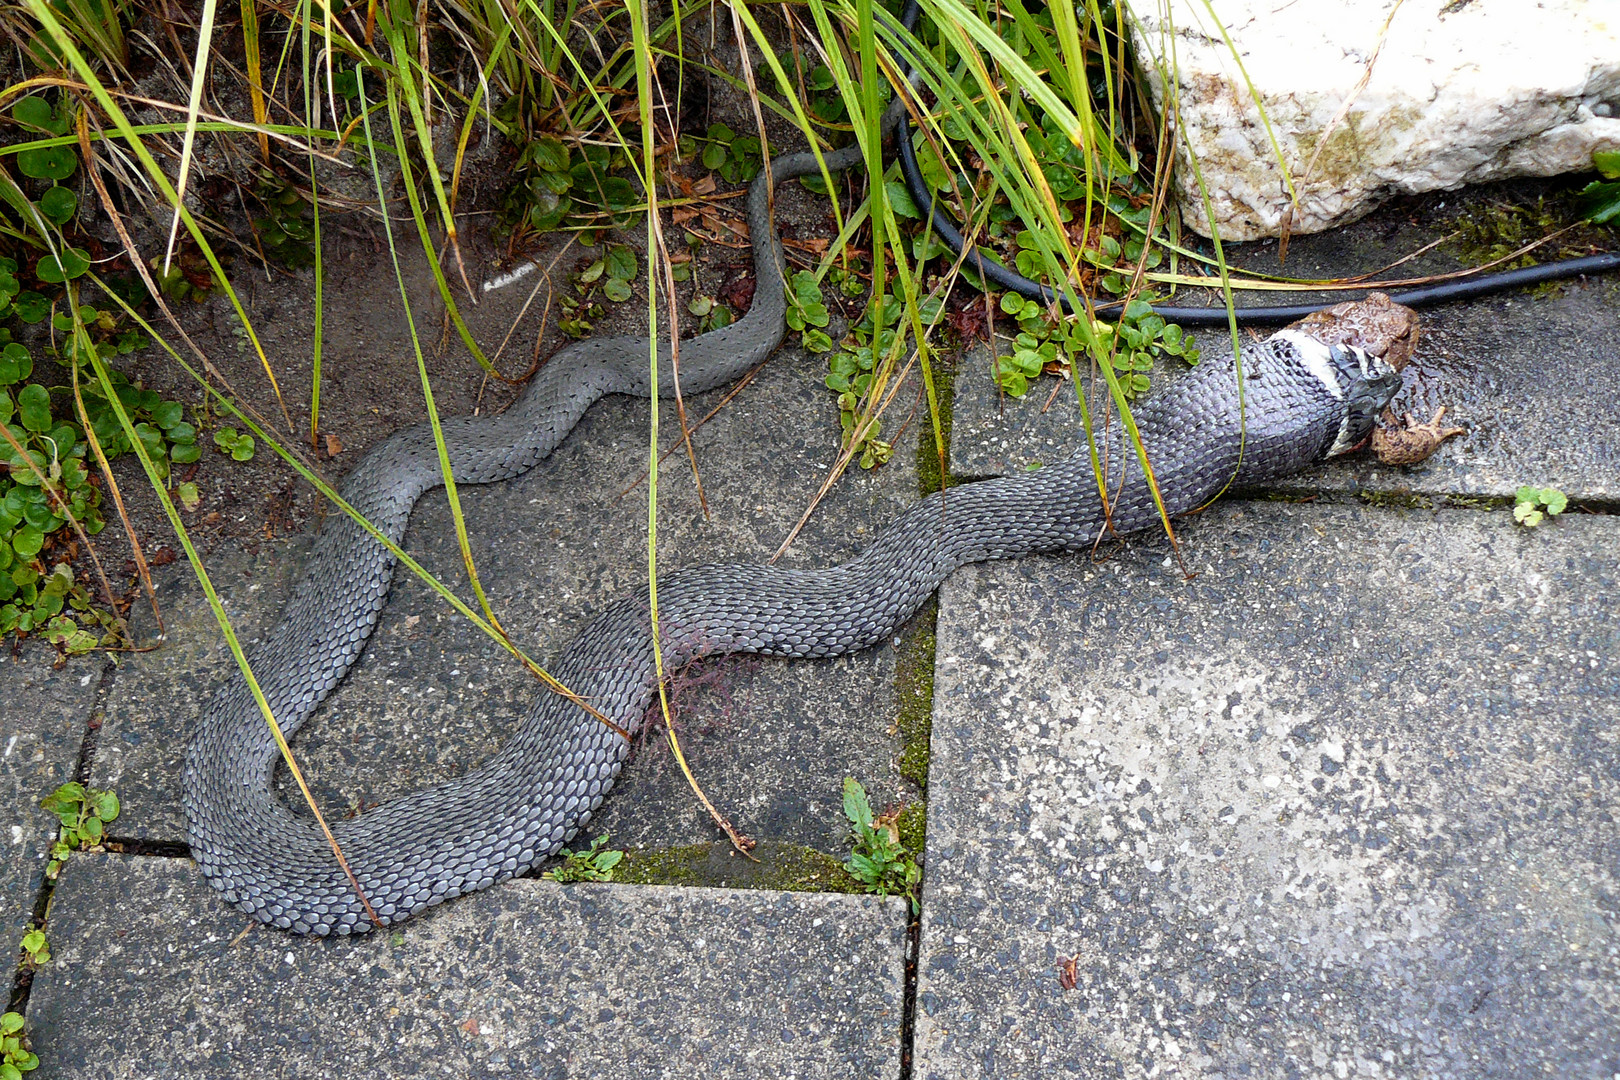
592,864
1531,505
878,861
36,950
84,814
234,443
14,1059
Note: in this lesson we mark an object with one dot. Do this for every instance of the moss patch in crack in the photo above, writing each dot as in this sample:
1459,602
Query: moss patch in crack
913,828
1494,228
1478,502
791,867
914,695
930,477
1395,500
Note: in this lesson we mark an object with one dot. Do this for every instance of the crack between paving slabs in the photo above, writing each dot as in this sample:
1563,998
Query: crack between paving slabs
22,980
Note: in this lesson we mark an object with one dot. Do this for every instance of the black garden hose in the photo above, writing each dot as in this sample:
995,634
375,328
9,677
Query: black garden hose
1426,296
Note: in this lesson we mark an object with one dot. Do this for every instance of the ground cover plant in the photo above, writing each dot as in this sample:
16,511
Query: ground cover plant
877,859
15,1059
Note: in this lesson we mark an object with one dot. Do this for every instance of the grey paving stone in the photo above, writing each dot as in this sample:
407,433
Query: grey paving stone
1342,805
528,979
45,713
432,696
155,696
1531,378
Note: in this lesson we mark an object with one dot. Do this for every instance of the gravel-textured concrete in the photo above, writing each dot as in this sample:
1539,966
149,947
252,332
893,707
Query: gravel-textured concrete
432,696
531,979
155,696
44,713
1532,379
1344,804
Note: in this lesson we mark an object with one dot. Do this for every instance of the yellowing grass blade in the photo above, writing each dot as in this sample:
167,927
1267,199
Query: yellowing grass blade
199,76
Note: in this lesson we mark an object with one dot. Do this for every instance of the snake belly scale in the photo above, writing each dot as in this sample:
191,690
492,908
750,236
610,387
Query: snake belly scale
1301,399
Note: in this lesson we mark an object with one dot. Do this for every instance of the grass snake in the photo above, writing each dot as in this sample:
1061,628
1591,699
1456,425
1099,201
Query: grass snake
1304,397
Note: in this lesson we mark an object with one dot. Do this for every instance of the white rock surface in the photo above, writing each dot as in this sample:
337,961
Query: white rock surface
1459,92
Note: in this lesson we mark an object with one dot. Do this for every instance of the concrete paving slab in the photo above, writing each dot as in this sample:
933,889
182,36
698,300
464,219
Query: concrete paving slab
432,696
528,979
1530,378
1342,805
45,713
154,697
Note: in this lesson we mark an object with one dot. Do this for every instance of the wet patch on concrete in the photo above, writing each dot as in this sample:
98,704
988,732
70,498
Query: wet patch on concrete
1344,804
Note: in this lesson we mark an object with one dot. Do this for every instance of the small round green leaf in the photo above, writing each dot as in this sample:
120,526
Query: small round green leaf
48,163
27,541
33,111
59,204
31,307
34,406
621,262
15,364
168,414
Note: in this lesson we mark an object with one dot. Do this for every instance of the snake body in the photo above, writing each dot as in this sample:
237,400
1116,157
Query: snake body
1302,399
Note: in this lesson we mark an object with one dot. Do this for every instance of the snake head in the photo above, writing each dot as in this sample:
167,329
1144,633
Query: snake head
1367,383
1359,382
1357,350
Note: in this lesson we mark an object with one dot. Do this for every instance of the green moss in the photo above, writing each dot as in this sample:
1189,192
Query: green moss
1477,502
914,694
1494,229
781,866
929,473
913,827
1397,500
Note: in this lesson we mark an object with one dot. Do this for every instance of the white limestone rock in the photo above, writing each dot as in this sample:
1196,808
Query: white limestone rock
1459,92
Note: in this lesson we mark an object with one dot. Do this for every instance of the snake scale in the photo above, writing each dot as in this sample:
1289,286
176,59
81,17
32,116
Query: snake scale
1305,396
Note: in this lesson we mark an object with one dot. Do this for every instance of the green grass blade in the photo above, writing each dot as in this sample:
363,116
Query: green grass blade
87,348
447,474
199,76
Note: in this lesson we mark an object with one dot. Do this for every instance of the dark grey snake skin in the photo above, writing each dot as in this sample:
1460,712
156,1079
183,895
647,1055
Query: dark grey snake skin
1303,400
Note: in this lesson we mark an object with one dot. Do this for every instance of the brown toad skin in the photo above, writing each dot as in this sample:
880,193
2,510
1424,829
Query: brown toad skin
1376,324
1412,444
1383,328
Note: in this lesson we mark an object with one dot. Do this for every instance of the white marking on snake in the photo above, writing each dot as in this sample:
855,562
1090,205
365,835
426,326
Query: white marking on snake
1317,359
